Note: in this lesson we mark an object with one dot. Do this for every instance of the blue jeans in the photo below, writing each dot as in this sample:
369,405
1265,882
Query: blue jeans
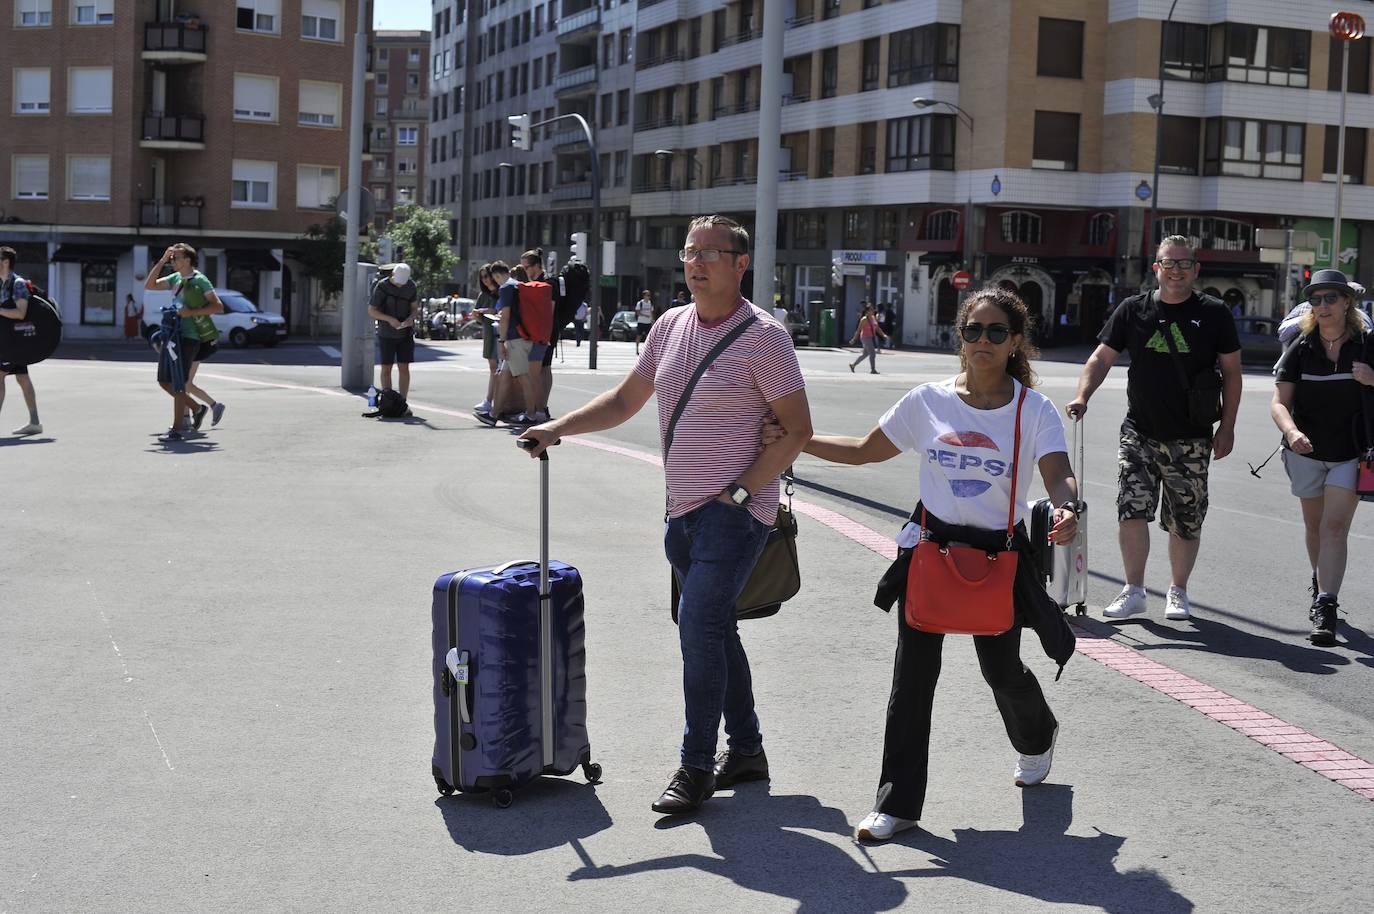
714,549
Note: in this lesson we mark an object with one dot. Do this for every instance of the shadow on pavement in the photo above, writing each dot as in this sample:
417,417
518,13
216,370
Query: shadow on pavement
1040,860
301,353
1356,639
548,813
761,844
852,498
1213,637
201,445
11,442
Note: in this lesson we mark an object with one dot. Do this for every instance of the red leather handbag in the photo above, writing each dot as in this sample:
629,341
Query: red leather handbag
963,590
1364,485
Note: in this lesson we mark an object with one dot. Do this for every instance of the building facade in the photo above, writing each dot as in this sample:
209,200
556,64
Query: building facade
397,108
132,124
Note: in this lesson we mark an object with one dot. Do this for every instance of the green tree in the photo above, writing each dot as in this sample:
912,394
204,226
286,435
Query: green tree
423,237
322,253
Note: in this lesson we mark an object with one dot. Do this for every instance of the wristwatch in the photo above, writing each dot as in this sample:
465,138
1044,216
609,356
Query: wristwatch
1074,506
738,494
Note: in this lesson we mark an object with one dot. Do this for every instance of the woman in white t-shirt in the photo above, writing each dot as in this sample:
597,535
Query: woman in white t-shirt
962,429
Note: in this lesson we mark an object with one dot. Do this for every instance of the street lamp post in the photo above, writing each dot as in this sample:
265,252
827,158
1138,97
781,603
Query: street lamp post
1156,102
969,234
1347,27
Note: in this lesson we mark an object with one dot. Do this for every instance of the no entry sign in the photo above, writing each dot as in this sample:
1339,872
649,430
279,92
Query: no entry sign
962,280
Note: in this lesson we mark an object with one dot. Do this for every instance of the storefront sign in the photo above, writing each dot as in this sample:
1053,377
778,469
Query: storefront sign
874,258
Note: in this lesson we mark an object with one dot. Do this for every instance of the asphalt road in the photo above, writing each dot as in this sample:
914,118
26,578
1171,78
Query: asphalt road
214,674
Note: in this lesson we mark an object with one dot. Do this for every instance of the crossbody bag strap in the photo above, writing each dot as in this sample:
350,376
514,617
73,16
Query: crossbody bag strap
711,356
1168,334
1015,467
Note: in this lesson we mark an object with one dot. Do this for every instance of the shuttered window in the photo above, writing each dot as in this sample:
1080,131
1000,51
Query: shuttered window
255,98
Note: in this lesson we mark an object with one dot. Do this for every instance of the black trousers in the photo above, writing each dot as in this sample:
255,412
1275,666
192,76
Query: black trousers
906,743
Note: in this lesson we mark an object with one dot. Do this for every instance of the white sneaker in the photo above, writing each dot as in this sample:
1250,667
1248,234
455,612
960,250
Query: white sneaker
1130,602
1032,769
1176,605
33,428
879,826
483,407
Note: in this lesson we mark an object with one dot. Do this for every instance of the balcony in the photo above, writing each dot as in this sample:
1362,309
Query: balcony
569,140
174,43
161,213
173,131
658,123
730,41
646,63
576,82
588,20
581,190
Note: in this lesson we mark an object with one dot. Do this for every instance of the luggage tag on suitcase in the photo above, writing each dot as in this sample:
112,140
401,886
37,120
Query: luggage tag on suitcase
457,665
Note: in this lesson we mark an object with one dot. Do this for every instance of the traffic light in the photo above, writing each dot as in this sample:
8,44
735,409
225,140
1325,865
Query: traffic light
520,130
608,258
836,276
579,246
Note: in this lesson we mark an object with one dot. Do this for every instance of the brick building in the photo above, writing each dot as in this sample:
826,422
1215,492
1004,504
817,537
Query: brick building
397,112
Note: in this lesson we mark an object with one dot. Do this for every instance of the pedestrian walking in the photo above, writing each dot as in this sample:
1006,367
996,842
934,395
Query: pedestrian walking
395,304
644,317
722,489
194,298
1175,423
485,305
867,332
211,406
887,321
979,433
1318,404
133,315
14,306
580,323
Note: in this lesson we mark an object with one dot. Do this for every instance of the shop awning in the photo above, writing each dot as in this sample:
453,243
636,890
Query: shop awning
252,260
88,253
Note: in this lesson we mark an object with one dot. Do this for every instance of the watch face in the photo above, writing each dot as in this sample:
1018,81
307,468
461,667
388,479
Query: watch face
739,495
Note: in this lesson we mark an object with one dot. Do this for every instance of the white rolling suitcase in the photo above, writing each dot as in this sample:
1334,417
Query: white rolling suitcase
1066,566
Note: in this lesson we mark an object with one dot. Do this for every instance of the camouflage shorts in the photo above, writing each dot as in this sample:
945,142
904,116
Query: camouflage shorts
1144,465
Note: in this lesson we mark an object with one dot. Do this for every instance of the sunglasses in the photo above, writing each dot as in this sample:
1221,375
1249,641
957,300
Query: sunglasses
997,333
1327,298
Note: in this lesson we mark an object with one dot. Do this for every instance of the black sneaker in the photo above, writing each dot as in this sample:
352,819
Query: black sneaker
485,418
1323,616
172,435
198,416
735,768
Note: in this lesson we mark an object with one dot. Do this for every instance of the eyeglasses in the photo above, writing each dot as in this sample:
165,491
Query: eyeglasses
997,333
705,255
1327,298
1169,263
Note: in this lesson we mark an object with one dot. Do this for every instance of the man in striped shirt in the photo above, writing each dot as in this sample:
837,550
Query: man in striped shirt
722,487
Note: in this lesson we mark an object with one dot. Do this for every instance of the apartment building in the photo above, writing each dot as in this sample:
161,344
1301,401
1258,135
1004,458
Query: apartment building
1038,179
132,124
547,59
398,114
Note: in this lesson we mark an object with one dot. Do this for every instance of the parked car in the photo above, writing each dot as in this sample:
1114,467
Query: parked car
800,330
241,322
1259,341
622,326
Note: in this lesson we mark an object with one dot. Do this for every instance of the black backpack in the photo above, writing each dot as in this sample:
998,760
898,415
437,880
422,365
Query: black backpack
390,405
572,289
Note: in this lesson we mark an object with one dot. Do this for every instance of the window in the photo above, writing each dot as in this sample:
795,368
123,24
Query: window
255,98
1181,143
1353,166
1253,149
1060,48
1258,54
1100,228
30,177
413,83
31,91
90,90
1359,68
92,12
98,294
319,104
808,230
1056,141
920,143
889,229
626,45
406,165
858,228
871,51
254,185
413,57
826,146
320,19
257,15
316,186
930,52
622,160
622,107
868,148
942,225
407,136
88,177
33,13
830,71
383,55
379,107
1020,227
1185,51
383,82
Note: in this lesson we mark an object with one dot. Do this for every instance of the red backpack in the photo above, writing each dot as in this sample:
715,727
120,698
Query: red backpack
535,311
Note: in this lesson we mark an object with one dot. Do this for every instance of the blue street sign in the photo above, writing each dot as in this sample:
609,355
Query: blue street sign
996,185
1142,190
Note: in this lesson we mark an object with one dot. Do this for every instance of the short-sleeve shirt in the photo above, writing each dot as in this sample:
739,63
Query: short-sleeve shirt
190,292
644,312
394,301
8,295
1326,397
966,453
1156,400
508,296
717,437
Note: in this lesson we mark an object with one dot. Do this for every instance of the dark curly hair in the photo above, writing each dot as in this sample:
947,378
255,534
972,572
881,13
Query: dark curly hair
1018,319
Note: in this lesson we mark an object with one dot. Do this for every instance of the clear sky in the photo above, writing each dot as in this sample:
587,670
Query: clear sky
402,14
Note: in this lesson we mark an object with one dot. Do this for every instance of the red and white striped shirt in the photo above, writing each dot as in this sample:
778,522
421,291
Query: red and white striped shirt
717,437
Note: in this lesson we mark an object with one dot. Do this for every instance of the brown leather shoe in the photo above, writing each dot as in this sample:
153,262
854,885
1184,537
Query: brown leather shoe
735,768
686,791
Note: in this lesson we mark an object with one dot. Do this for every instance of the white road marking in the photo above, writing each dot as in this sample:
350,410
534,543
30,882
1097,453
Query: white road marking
128,677
331,352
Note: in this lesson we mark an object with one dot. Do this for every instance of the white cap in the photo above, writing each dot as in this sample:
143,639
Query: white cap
401,274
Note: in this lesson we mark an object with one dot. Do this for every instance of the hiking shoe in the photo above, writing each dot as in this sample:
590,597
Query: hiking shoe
485,418
33,428
198,416
216,414
1130,602
879,826
1176,605
1323,616
1032,769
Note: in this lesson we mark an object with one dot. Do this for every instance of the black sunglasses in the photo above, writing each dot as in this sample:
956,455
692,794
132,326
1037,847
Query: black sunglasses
973,332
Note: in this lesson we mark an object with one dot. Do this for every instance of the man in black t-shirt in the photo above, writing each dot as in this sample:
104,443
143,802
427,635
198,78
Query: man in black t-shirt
1162,446
394,305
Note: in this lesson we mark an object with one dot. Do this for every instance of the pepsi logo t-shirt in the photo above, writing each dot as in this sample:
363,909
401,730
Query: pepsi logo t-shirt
966,453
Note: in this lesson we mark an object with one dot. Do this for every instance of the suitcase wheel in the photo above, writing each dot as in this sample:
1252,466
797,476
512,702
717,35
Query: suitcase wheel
592,772
502,797
444,786
1081,609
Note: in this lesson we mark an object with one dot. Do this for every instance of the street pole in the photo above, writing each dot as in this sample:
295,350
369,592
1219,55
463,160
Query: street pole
770,130
355,343
1340,160
1287,287
1147,251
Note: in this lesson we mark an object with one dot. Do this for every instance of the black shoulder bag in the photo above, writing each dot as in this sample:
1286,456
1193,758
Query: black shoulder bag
776,577
1203,389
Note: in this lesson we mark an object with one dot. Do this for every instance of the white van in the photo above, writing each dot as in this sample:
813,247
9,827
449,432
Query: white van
239,324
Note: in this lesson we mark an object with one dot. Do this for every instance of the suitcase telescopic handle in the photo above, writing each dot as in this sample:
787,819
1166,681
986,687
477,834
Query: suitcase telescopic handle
527,444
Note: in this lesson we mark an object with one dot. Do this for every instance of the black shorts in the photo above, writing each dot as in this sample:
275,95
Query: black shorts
393,350
189,351
11,368
207,350
553,344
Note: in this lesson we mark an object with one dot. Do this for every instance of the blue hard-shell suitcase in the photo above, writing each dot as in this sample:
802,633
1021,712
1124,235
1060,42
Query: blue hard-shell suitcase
510,681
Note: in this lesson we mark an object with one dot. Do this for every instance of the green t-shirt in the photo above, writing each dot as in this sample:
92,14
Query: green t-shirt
190,293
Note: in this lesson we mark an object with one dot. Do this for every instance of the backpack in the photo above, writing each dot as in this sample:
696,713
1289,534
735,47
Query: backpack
535,313
574,288
390,405
36,337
